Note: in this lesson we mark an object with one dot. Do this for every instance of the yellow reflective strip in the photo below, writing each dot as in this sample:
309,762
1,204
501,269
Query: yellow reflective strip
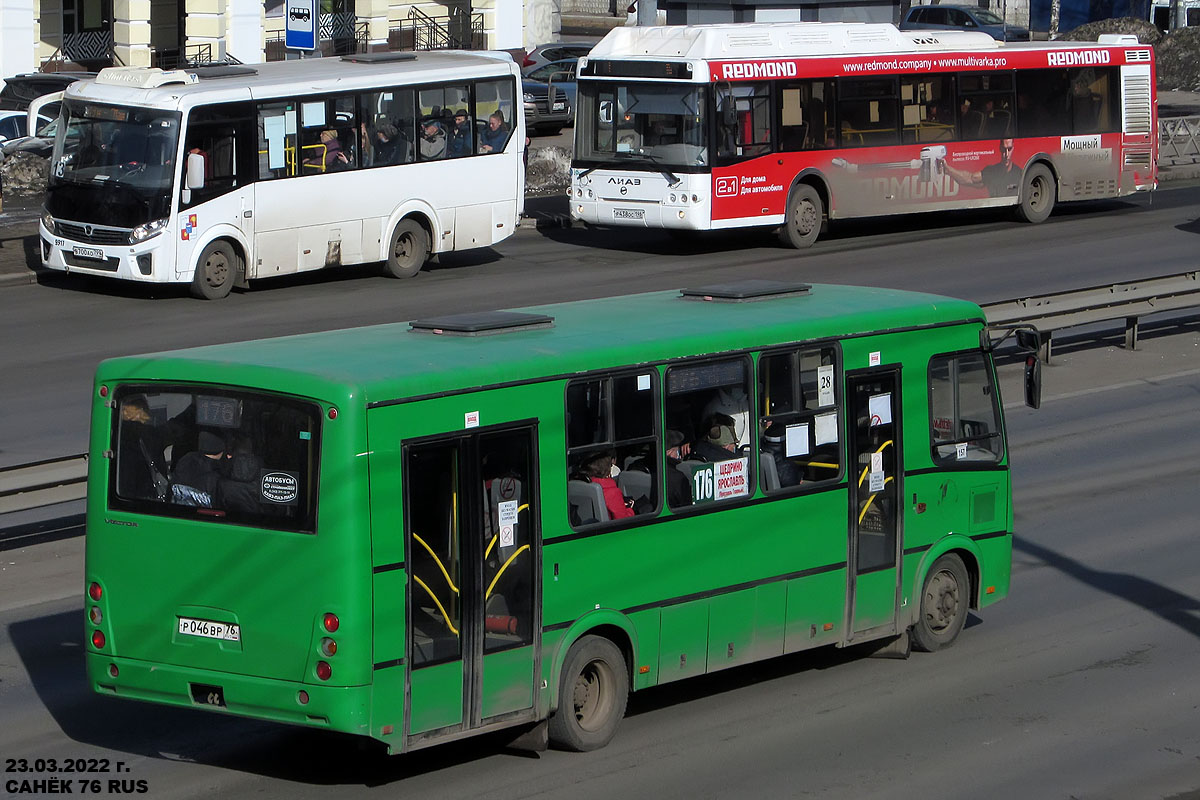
437,603
437,561
500,571
491,544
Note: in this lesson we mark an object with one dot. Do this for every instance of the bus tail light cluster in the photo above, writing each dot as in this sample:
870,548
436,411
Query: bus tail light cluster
95,615
328,645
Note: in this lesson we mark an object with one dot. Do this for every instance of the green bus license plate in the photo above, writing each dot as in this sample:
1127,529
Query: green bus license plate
212,630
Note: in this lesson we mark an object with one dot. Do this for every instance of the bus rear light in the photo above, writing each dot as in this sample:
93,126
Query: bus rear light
104,391
990,590
324,670
94,591
98,640
333,413
331,622
113,672
328,646
95,616
302,697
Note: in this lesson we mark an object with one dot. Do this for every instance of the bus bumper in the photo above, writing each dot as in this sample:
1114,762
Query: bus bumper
340,708
146,261
640,215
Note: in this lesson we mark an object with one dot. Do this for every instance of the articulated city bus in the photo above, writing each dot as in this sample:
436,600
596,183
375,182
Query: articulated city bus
416,532
215,176
791,125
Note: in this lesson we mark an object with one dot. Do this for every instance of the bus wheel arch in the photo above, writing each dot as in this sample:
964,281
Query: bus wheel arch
594,684
221,265
947,593
805,214
1039,192
409,246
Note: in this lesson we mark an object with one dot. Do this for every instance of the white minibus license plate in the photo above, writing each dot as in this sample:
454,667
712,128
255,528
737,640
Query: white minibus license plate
560,106
629,213
212,630
88,252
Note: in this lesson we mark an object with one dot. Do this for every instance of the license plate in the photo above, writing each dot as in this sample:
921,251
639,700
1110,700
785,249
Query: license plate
88,252
209,629
629,213
560,106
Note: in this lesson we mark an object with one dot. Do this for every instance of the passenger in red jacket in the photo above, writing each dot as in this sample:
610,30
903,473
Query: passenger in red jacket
599,470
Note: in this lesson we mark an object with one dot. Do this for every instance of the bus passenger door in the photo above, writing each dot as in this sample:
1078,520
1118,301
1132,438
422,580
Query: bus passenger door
473,547
875,476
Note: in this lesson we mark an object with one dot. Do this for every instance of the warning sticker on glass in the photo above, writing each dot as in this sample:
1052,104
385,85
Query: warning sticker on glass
507,512
880,406
876,480
825,385
506,536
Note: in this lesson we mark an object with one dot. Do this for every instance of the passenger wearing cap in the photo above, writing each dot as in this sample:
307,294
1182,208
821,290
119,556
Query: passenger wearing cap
773,445
199,470
679,488
718,440
460,135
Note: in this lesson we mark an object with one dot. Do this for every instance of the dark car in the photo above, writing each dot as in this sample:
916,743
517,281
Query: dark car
962,18
562,75
20,90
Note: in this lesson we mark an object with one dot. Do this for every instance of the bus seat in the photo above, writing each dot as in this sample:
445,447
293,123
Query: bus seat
770,475
997,126
635,483
587,501
972,124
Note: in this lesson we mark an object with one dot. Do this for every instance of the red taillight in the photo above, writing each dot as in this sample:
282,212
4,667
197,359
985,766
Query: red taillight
331,622
328,646
94,591
98,640
527,62
113,671
302,697
104,391
333,413
324,670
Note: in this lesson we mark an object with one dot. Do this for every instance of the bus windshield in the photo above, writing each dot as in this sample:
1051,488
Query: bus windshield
224,455
661,124
113,165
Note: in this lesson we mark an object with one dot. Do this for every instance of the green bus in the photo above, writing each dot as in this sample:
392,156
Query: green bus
418,532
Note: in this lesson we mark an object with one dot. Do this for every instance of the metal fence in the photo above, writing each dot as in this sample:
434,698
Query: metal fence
1179,140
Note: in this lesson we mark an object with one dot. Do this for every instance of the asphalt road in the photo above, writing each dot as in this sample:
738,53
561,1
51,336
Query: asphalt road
56,333
1080,685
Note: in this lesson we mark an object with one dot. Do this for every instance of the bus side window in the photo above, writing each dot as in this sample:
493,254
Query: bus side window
799,417
216,133
613,454
964,416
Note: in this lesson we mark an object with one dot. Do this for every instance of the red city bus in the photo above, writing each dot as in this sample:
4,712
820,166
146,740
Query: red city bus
790,125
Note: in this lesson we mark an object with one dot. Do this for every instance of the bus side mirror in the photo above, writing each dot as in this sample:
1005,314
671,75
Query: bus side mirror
195,171
1033,380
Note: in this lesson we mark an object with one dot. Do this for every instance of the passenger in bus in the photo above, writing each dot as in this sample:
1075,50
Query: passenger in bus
773,440
493,138
732,400
679,488
199,472
718,440
599,469
460,135
141,470
386,144
238,489
433,140
326,157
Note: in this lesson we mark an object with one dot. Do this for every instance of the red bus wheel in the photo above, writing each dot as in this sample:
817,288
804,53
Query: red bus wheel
805,213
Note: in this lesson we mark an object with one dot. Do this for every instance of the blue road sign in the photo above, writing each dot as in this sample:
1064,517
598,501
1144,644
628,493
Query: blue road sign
301,22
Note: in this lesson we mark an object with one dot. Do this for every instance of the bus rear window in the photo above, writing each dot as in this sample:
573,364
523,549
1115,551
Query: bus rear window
220,455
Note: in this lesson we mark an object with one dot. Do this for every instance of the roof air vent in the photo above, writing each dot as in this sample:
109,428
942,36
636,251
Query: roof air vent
483,323
377,58
747,291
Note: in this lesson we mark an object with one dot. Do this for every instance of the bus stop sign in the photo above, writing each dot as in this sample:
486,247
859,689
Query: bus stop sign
301,24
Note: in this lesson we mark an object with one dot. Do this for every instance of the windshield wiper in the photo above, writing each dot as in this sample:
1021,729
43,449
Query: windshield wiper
654,161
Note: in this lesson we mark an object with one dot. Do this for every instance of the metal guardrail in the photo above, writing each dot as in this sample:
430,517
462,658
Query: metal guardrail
1179,140
43,483
1115,301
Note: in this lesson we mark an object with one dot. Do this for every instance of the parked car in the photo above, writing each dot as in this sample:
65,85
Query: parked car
562,74
547,109
20,90
556,51
962,18
13,125
40,144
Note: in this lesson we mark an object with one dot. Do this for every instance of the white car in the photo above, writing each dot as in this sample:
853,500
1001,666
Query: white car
12,125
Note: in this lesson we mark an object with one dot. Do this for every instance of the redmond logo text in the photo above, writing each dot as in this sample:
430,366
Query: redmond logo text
759,69
1071,58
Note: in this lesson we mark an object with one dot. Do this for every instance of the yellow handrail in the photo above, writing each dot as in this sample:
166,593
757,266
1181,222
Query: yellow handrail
437,561
492,543
438,603
500,571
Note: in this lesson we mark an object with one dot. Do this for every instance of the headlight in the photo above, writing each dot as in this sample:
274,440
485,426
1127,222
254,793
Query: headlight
529,98
143,232
48,221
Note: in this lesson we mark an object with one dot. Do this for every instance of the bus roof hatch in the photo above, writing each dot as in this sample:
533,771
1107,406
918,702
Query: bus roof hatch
483,323
746,291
